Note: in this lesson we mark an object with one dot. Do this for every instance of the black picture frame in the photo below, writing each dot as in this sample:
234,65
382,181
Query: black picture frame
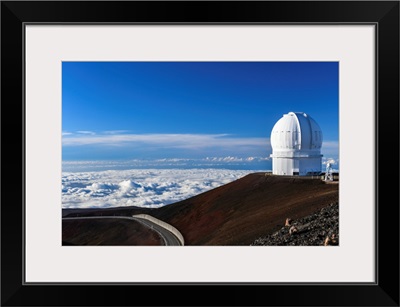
383,14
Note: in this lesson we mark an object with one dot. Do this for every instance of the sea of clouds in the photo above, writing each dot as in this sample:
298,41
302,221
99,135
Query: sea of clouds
151,188
153,183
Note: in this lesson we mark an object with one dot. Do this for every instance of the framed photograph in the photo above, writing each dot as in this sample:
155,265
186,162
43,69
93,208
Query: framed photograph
257,140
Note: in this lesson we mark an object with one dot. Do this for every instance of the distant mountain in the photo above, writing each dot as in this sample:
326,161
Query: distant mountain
239,212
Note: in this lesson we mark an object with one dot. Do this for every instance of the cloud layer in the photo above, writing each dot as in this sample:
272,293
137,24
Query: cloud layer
118,138
228,162
150,188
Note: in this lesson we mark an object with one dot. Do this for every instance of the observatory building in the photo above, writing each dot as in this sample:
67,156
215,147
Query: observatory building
296,141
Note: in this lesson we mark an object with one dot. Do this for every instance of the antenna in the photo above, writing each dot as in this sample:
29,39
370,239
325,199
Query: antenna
328,172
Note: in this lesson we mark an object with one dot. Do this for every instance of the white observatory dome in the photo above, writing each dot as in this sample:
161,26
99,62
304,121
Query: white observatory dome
296,131
296,141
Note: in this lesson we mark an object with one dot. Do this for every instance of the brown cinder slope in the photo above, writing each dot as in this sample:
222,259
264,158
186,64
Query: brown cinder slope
107,232
239,212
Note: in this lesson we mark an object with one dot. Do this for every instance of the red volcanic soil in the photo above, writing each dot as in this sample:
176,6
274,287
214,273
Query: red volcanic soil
238,212
108,232
241,211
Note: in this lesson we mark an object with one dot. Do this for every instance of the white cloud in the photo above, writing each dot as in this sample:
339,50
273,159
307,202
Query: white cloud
86,132
143,188
183,141
115,131
332,161
201,163
236,159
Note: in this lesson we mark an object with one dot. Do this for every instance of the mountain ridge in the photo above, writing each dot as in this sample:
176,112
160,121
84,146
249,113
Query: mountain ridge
238,212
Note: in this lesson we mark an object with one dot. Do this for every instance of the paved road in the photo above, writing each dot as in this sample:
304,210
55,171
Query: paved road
168,237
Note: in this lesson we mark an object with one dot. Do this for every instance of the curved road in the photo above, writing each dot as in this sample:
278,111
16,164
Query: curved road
168,237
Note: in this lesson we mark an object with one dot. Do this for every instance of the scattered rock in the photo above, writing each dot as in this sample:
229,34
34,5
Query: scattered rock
320,228
332,240
292,230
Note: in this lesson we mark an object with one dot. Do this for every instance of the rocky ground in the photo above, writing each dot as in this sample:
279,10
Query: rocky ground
320,228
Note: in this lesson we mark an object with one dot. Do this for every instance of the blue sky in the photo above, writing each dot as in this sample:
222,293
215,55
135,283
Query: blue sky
190,110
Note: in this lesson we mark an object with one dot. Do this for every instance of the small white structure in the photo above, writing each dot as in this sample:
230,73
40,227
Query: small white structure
296,141
328,172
